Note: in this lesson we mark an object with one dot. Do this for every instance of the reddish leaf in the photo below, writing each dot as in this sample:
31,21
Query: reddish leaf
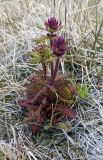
41,99
55,120
36,126
66,111
25,103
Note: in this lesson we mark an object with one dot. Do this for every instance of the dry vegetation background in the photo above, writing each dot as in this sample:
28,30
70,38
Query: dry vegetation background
83,25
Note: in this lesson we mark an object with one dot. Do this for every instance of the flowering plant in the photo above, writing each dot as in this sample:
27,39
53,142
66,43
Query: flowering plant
49,95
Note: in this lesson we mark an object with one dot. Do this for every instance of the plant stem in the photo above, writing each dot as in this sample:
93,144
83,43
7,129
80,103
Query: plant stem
52,66
44,70
51,69
55,70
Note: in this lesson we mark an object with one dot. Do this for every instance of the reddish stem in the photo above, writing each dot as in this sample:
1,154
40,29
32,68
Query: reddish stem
44,70
55,70
52,66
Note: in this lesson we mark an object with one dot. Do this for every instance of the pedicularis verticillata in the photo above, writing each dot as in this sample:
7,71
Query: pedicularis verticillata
49,95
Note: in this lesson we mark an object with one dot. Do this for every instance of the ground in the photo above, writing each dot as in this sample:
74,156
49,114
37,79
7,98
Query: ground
80,138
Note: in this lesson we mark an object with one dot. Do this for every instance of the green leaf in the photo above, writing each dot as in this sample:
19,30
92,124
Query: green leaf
82,90
41,40
64,126
35,58
47,56
40,27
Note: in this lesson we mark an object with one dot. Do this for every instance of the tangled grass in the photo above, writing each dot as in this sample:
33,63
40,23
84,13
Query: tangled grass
81,138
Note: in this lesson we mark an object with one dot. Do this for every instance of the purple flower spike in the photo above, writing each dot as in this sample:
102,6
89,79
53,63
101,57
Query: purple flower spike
52,25
59,46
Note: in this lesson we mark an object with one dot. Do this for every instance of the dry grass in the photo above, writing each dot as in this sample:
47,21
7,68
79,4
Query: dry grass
83,25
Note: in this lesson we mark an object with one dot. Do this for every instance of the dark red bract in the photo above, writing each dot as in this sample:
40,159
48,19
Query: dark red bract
59,46
52,25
